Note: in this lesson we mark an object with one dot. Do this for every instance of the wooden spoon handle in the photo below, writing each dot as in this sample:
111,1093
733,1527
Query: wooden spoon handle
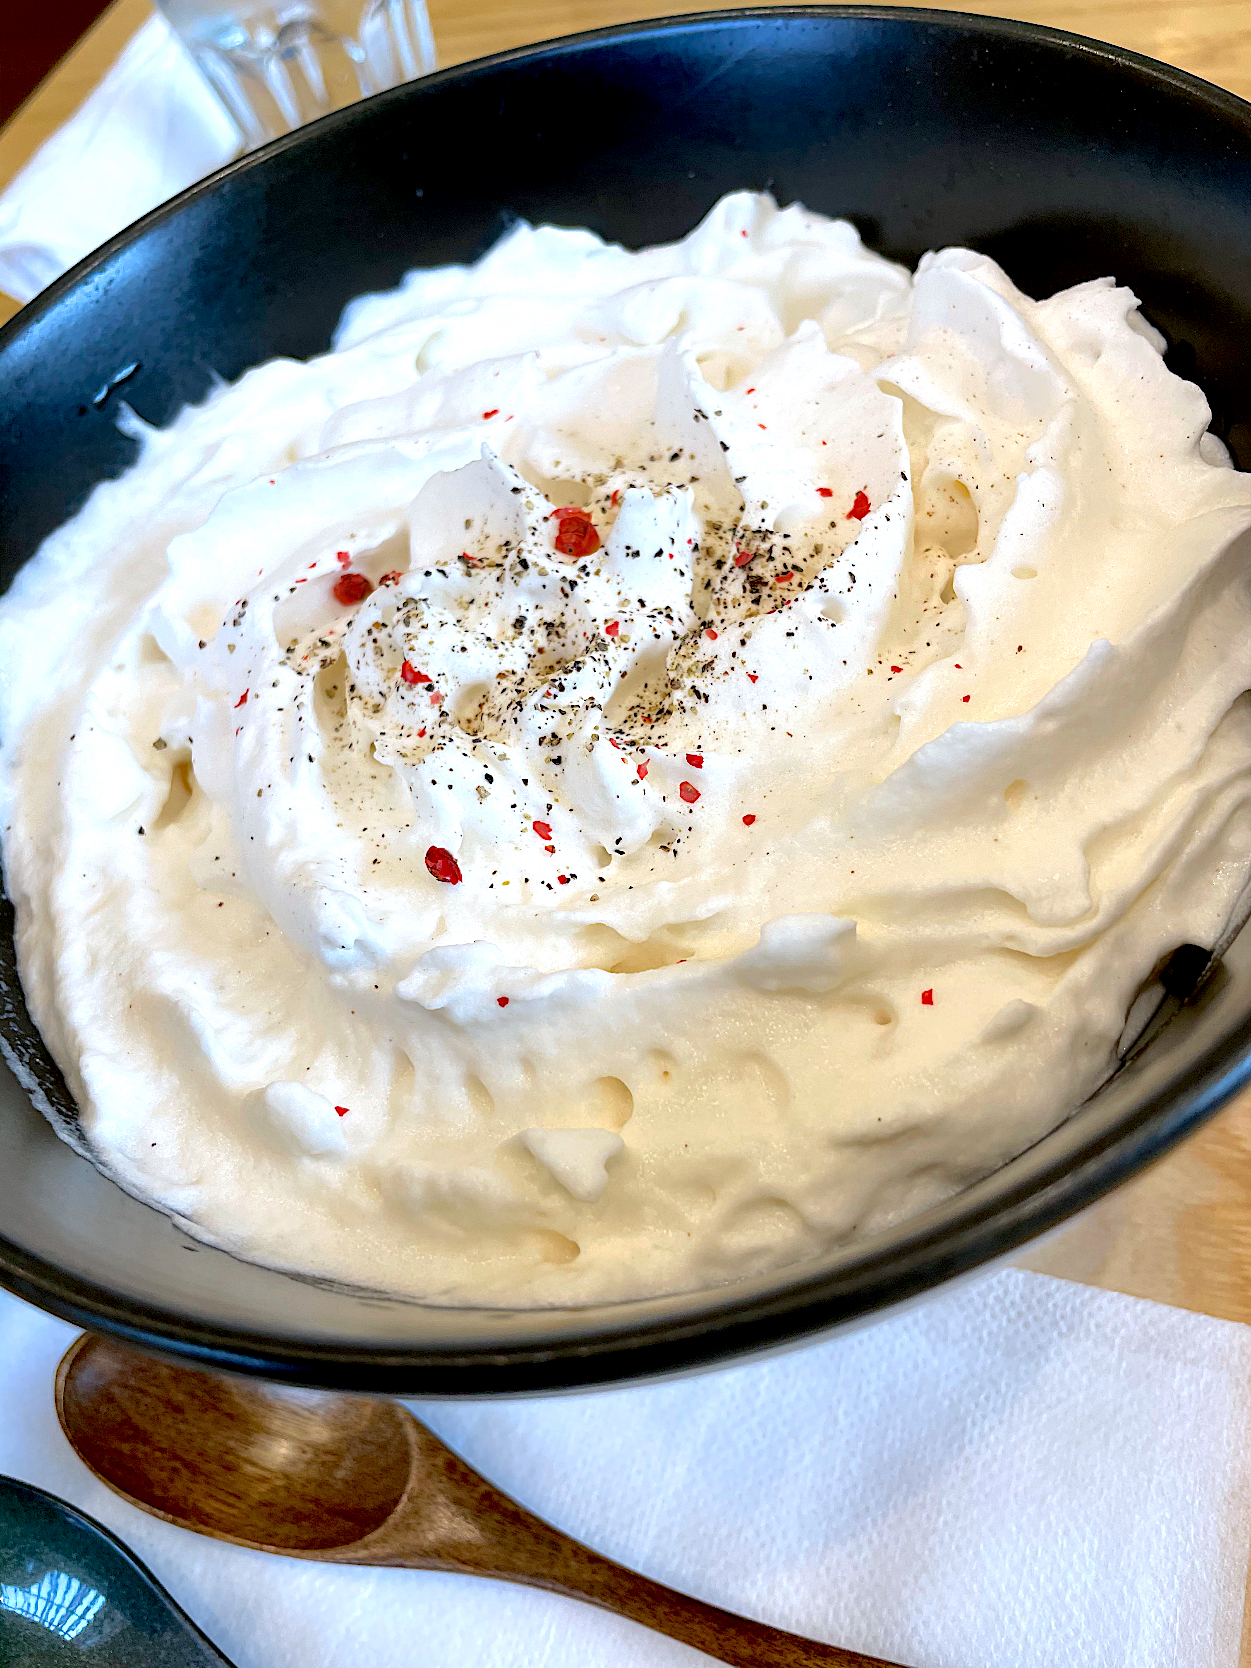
718,1633
452,1518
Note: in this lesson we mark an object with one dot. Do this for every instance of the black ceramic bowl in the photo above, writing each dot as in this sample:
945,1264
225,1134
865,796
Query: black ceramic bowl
1062,158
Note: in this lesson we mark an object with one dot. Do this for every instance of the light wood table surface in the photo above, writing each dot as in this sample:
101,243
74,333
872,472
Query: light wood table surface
1182,1232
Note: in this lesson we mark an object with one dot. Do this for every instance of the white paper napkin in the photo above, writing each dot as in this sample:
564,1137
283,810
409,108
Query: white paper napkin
150,129
1020,1473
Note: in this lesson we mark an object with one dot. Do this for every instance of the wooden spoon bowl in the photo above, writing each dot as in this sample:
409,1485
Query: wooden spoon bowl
292,1470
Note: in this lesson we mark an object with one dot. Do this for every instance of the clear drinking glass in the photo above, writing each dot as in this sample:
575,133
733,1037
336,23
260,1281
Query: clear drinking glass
277,65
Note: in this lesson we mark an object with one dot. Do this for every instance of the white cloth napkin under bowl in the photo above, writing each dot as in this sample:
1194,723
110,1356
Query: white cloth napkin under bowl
151,128
1019,1473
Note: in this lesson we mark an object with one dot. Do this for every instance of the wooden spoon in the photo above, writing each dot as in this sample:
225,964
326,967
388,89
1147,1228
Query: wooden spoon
348,1479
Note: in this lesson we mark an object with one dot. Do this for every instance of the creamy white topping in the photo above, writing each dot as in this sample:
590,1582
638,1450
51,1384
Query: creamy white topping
554,924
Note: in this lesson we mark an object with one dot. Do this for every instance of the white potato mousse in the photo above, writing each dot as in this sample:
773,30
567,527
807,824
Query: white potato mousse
634,766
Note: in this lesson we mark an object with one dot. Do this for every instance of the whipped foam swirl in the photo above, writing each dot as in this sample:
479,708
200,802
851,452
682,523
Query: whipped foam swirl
633,766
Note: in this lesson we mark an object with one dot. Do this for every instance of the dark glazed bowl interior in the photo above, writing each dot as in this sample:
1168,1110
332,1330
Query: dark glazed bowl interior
1063,159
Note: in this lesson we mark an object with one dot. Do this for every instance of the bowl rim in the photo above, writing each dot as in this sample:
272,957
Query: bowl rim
1022,1199
1001,28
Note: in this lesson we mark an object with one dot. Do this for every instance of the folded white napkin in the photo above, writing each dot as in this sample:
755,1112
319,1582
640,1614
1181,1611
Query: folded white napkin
1020,1472
150,129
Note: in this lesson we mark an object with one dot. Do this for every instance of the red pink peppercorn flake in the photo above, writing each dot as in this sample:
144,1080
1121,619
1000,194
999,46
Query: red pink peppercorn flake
695,760
575,533
502,1001
344,559
392,578
743,557
494,412
642,770
860,507
825,492
410,674
748,820
542,829
351,588
242,701
896,668
754,676
927,998
563,879
689,792
342,1111
443,866
710,634
966,697
612,628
